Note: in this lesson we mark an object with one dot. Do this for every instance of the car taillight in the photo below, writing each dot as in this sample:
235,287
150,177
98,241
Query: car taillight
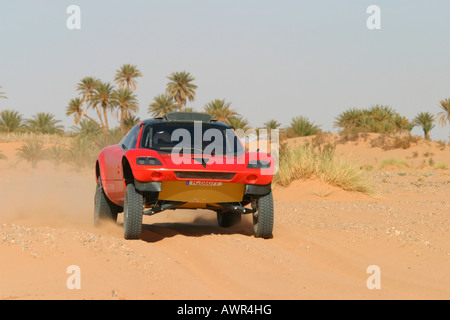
258,164
148,161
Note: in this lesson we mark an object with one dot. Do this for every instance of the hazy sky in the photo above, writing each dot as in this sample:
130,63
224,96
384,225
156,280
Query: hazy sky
270,59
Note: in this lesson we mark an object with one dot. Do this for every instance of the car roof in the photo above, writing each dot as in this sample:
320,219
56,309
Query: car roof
184,117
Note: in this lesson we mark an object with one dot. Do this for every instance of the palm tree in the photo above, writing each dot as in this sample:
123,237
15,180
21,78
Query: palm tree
125,76
238,122
10,121
401,123
103,97
130,122
127,104
220,110
444,116
75,108
161,105
86,128
43,122
271,124
189,109
2,94
381,113
425,120
383,118
32,151
301,126
86,88
349,119
181,88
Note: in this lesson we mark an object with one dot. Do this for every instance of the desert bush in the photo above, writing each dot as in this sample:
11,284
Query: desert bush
346,136
394,162
389,141
441,144
82,153
32,152
56,154
321,138
441,166
306,161
2,156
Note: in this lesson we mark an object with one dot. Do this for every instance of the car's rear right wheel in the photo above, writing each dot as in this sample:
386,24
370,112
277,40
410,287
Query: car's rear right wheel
263,217
132,213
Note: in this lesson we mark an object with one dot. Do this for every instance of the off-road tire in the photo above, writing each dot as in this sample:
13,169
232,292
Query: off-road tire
132,213
104,209
263,217
226,219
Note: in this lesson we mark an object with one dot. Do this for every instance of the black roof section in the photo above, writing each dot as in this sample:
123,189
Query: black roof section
187,117
180,116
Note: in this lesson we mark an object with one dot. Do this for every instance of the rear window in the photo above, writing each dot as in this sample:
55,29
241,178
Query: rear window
194,137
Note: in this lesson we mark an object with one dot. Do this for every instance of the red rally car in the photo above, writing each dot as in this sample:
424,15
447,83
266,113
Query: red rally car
183,160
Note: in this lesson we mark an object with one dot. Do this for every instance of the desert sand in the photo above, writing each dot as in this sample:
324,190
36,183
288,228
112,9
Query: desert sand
323,242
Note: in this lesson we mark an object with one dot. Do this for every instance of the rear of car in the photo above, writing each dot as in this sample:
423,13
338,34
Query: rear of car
186,160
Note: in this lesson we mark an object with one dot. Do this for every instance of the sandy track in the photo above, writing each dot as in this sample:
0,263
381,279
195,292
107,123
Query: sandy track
324,240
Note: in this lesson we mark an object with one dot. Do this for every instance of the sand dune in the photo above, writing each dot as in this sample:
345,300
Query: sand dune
324,239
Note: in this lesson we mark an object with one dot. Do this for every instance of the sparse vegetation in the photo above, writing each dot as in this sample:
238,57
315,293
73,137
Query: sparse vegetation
80,145
32,152
306,161
56,154
377,119
393,162
389,141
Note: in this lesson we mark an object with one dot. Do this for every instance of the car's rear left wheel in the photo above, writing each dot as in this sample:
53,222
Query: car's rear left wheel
133,211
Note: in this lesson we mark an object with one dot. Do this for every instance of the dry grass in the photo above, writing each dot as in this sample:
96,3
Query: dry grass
306,161
393,162
30,136
391,141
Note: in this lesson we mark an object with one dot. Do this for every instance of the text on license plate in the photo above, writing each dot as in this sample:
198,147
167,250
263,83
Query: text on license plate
204,183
